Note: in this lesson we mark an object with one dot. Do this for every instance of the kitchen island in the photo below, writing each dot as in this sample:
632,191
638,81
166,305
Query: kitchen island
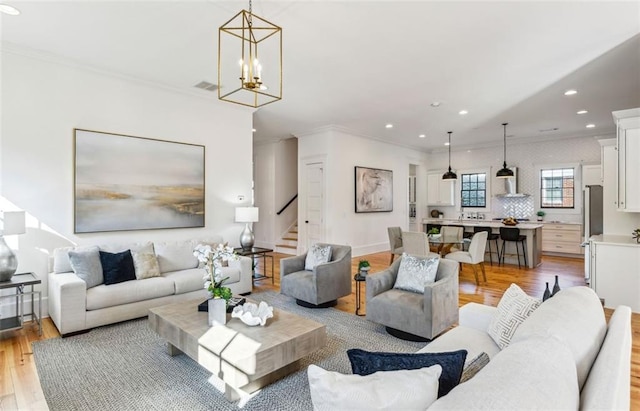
532,230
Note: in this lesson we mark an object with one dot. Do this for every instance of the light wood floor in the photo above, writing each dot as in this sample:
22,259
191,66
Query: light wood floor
20,387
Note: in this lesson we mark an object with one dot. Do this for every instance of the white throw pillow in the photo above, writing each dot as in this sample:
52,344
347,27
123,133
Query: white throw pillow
318,254
514,307
383,390
145,264
414,272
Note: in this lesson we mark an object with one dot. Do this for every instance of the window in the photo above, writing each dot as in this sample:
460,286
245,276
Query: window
556,188
474,190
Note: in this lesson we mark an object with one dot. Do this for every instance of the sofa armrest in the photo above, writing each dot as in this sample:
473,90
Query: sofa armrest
292,264
476,316
67,298
441,297
382,281
245,285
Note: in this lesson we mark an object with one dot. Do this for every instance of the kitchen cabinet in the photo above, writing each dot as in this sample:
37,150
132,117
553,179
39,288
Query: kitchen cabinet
562,238
440,192
628,146
614,270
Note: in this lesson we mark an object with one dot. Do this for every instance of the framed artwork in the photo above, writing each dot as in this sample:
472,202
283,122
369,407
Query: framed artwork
135,183
373,190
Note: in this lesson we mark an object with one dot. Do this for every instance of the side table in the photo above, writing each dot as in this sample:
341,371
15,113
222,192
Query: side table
359,279
19,281
258,252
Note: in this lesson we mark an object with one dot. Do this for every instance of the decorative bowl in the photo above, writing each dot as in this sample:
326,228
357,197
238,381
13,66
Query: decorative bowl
252,314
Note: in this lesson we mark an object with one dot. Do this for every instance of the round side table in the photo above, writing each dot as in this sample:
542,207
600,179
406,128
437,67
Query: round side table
359,279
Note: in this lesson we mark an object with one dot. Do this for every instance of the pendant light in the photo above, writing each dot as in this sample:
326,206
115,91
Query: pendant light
505,172
449,175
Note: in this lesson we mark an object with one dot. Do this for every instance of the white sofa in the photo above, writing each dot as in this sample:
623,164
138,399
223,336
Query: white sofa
564,356
74,308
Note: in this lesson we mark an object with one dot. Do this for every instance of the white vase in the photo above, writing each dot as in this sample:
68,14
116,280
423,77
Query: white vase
217,311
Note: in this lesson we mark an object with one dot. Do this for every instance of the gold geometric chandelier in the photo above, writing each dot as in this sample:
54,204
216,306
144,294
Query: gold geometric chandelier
249,60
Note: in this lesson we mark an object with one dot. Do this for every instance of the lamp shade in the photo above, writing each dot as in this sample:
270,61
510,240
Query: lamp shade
246,214
13,222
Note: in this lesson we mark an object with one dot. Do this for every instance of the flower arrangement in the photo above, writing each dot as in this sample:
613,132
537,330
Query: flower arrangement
212,259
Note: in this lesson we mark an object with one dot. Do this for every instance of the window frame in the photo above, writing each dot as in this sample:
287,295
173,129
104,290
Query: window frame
488,189
577,188
473,175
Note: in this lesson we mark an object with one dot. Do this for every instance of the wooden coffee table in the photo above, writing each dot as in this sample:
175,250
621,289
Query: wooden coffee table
245,358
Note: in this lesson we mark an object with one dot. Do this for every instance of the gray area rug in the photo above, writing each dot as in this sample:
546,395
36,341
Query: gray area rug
126,366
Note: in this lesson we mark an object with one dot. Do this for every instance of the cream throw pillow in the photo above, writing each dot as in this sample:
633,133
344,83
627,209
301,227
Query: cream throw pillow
382,390
514,307
146,265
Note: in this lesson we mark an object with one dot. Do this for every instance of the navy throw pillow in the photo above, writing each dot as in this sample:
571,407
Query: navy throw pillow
365,363
117,267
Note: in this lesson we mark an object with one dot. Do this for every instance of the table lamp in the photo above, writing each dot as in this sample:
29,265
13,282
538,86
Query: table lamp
246,215
11,223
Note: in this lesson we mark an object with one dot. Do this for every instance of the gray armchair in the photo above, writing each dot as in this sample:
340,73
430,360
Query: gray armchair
407,314
321,287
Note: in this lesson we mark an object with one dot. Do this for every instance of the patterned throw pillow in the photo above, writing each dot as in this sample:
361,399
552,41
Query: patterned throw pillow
146,265
318,254
414,272
514,307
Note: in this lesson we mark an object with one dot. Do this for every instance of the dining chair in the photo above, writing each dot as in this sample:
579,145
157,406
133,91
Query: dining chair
395,242
475,255
416,243
451,235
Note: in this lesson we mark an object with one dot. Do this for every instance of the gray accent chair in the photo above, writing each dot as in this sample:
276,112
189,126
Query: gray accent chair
395,242
321,287
424,315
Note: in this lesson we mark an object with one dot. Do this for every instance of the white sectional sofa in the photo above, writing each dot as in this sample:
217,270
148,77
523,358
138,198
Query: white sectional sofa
74,308
563,356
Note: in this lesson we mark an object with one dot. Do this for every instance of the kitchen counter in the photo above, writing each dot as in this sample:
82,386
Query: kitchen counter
615,240
531,229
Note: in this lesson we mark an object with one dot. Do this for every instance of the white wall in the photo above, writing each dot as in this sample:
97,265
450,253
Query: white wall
528,157
342,151
44,99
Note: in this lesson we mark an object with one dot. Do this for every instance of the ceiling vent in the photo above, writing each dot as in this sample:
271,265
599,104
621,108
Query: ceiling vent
205,85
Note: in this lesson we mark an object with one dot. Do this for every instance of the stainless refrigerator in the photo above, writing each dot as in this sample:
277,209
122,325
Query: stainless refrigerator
591,221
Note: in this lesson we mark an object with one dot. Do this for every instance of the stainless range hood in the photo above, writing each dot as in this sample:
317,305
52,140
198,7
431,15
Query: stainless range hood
511,186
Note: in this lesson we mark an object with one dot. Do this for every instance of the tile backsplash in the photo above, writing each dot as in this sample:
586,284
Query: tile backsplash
518,207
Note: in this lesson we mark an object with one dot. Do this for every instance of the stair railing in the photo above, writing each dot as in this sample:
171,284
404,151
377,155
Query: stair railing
287,205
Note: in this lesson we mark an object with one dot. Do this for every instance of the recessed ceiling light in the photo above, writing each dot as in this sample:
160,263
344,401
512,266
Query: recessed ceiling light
468,151
253,130
591,125
422,136
435,104
389,125
570,92
582,112
446,144
10,10
463,112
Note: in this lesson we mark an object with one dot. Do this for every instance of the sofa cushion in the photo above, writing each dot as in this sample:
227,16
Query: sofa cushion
86,265
145,247
175,256
117,267
414,272
104,296
61,262
384,390
365,363
317,254
514,307
576,316
538,373
193,279
464,338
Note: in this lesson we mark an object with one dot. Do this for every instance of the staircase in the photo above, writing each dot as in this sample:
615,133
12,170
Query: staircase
288,243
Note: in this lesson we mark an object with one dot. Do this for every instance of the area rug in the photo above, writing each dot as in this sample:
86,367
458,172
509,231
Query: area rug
126,366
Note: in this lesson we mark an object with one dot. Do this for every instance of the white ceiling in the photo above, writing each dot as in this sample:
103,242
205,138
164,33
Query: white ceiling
361,64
